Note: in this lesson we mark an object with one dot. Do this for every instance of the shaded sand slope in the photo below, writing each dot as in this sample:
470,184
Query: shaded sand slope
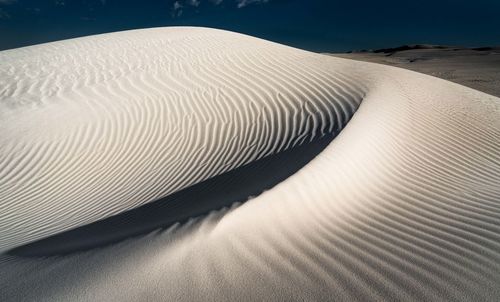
237,185
402,205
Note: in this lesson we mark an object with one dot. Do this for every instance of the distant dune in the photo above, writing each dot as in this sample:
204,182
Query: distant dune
477,67
295,176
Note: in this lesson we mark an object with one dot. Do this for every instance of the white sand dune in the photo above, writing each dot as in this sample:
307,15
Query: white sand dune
99,125
404,204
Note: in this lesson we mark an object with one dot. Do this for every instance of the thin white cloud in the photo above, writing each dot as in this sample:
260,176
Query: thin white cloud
177,5
177,9
243,3
193,2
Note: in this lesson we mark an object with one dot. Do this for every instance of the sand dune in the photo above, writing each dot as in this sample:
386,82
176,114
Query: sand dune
96,126
477,68
403,204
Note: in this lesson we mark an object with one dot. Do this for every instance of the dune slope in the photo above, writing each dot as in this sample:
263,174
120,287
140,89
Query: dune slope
99,125
404,204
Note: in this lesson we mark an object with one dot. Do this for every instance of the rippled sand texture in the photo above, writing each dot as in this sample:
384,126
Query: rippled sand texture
95,126
404,204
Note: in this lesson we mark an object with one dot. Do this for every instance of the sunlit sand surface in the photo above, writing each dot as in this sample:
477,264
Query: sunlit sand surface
385,183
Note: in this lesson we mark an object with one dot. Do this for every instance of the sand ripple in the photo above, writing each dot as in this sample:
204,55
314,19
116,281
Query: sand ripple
402,205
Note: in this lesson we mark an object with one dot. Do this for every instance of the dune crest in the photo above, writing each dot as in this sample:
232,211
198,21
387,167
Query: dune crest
95,126
402,205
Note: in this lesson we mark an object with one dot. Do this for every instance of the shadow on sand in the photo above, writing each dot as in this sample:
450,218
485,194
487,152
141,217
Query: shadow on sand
215,193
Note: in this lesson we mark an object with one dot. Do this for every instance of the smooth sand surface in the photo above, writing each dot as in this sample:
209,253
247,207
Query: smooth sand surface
478,68
403,204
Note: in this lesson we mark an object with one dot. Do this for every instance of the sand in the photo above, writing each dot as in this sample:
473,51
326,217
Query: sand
402,204
478,68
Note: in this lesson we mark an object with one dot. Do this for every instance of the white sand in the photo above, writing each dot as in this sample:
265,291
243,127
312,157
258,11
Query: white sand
403,205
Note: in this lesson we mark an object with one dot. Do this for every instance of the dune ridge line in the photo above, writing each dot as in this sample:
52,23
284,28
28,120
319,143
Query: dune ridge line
402,205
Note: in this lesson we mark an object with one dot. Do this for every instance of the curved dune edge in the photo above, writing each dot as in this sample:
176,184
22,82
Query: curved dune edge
224,190
96,126
402,205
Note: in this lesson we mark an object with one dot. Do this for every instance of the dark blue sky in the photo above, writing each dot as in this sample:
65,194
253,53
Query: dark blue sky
318,25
